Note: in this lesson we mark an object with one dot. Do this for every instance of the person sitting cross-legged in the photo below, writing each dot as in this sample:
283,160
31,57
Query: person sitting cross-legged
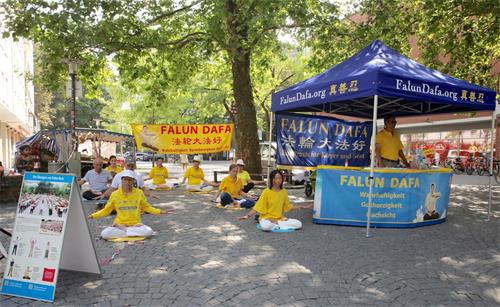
159,175
98,179
272,203
196,178
129,203
248,183
117,180
231,190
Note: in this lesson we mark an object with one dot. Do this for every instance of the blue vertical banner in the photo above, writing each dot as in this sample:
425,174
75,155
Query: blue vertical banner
400,198
304,140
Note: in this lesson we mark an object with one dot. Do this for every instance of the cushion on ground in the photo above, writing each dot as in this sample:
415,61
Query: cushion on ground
229,207
284,229
128,239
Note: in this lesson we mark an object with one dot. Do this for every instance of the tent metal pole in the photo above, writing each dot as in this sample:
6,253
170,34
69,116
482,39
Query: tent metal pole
492,131
269,149
372,165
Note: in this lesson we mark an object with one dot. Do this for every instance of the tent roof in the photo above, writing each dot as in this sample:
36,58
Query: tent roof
404,86
82,133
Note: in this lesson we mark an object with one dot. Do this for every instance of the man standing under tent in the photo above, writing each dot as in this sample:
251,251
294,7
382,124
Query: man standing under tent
388,146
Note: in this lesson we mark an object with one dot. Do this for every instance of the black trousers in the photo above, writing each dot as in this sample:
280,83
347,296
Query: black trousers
89,195
248,187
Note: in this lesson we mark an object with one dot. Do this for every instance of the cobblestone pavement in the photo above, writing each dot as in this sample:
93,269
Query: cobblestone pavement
202,256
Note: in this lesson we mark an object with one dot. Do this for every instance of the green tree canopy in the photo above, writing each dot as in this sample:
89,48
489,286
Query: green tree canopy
457,37
181,35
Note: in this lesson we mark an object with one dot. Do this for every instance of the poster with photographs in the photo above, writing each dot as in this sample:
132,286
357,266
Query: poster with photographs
35,249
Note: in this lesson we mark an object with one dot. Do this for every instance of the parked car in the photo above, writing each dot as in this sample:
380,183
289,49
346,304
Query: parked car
298,175
264,154
143,156
453,155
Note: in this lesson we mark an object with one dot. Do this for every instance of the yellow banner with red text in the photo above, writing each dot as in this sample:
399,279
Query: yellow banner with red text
183,139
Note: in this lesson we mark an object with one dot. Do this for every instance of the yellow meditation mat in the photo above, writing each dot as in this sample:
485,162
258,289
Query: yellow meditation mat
162,189
229,207
198,192
128,239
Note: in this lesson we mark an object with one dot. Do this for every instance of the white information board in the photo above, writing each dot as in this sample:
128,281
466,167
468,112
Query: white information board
50,233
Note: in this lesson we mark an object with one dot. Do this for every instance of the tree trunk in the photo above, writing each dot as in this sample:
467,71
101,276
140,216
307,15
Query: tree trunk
247,141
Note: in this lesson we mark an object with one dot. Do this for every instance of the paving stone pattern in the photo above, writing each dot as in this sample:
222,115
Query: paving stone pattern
203,256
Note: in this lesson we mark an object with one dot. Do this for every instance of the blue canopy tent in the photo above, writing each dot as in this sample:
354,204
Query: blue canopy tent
378,81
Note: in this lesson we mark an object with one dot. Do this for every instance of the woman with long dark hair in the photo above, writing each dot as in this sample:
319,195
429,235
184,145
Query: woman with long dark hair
272,204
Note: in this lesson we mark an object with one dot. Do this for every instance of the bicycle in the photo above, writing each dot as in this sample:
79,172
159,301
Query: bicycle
457,165
470,166
482,166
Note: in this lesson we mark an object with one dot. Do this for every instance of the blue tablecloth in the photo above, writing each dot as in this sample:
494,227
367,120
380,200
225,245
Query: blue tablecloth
401,197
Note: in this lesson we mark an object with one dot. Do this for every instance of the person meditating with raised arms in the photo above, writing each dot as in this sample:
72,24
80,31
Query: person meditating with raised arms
273,202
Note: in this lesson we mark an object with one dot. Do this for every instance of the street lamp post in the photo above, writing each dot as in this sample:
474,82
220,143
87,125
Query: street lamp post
73,158
72,73
234,112
72,66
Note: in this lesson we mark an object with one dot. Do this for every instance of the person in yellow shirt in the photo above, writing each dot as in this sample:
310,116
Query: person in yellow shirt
388,146
196,178
114,168
272,203
129,203
248,183
231,190
159,175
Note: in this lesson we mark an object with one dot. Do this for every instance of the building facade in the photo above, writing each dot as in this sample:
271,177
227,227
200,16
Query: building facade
455,130
17,101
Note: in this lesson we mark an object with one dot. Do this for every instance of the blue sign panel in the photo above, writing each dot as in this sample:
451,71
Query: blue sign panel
65,178
310,141
399,199
32,290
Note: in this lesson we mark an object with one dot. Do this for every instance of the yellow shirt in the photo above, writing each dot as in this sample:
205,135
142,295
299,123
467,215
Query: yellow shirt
390,144
194,176
117,169
158,174
231,187
271,204
245,177
128,207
